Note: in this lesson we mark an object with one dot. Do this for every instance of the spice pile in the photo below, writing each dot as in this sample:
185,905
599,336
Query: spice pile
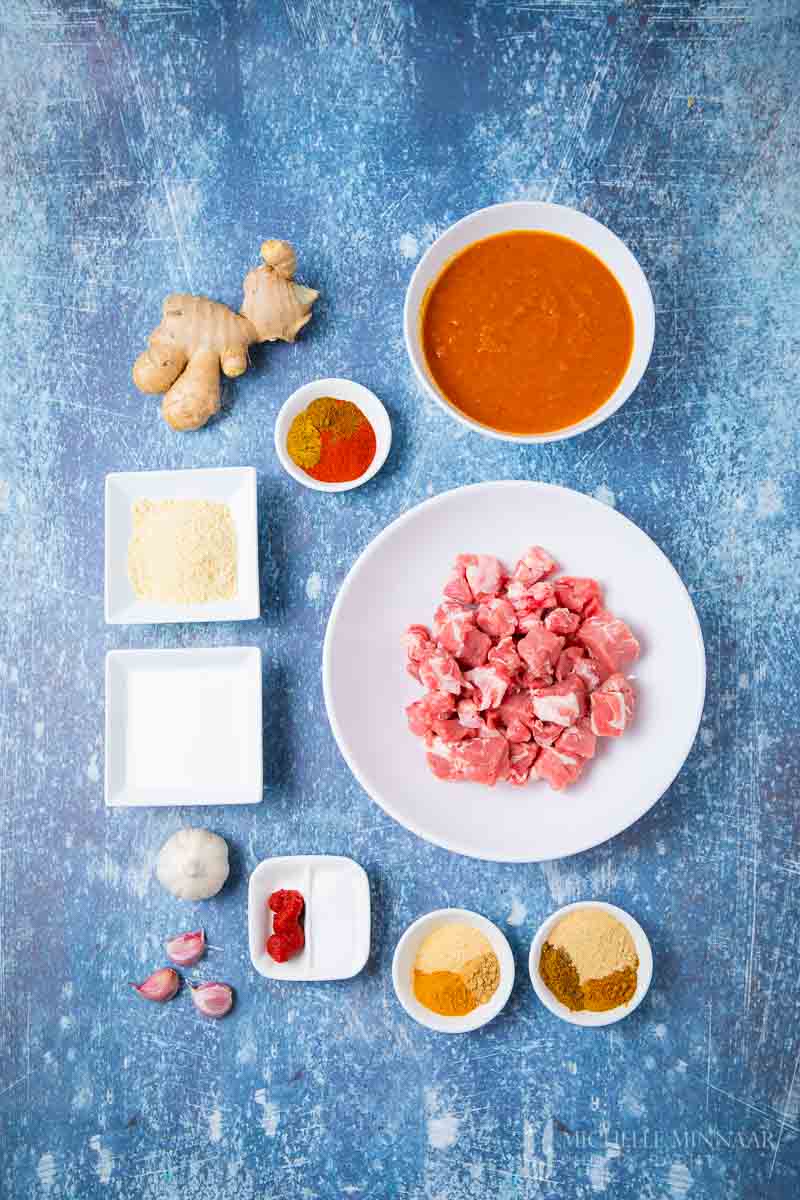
455,970
331,440
589,961
182,551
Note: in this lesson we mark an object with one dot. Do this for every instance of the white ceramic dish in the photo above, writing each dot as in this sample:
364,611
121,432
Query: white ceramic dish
552,218
593,1020
234,486
398,581
337,916
183,726
403,967
341,389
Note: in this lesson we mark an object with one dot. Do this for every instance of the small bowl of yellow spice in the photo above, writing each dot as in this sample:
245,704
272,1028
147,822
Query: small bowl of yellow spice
591,963
453,970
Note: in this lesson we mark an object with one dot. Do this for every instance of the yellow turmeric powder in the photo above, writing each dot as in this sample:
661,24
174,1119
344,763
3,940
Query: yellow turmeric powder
444,992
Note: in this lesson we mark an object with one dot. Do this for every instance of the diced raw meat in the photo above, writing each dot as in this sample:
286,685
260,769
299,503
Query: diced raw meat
521,759
567,660
485,575
531,599
533,566
491,683
497,617
587,670
529,620
610,643
434,706
417,641
439,672
540,649
450,730
480,760
505,654
562,703
545,734
451,624
578,739
457,587
518,708
574,593
476,648
518,716
561,620
468,714
612,707
558,769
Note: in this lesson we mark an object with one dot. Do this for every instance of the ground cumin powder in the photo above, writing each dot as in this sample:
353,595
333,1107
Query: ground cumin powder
589,961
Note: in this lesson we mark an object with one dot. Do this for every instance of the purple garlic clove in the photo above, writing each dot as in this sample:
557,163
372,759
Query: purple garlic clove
186,948
160,986
212,999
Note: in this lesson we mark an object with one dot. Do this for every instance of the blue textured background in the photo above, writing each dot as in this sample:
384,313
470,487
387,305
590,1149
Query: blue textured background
149,146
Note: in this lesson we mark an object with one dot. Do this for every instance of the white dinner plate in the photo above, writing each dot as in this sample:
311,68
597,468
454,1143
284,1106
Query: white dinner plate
336,922
183,726
234,486
398,581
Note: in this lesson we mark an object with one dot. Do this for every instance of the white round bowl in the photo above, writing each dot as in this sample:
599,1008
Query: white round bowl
403,966
342,389
593,1019
551,218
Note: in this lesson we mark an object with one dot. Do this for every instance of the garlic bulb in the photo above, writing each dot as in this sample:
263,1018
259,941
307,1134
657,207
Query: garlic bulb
193,864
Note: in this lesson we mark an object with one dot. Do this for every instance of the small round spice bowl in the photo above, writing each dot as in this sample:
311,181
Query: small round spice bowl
405,958
338,389
585,1017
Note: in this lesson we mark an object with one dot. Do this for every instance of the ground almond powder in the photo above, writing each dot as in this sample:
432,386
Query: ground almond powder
182,551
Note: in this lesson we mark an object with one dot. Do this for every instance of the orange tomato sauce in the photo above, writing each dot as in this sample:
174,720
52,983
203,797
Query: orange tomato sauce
526,332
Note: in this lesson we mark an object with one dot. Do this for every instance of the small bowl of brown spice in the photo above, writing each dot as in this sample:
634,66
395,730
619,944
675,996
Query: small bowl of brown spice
591,963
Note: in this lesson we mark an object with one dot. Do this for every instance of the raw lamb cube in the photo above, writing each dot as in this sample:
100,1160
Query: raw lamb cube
497,617
533,566
578,739
504,653
540,649
610,642
485,575
562,703
475,650
434,706
521,759
439,672
561,620
558,769
612,707
574,593
491,683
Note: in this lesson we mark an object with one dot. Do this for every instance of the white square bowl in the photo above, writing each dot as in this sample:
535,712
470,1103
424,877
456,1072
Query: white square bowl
234,486
183,727
337,916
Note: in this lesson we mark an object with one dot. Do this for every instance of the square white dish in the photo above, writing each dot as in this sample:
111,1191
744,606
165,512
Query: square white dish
337,916
234,486
183,727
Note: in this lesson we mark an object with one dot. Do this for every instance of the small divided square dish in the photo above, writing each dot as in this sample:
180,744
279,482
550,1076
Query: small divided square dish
337,916
183,726
234,486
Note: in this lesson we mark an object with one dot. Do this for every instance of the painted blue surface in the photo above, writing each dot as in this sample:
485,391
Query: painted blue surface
149,146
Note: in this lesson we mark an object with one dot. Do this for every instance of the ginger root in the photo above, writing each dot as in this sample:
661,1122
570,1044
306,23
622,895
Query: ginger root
198,337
